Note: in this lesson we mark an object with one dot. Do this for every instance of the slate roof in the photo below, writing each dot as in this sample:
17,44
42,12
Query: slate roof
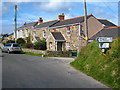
46,24
106,22
27,25
58,36
71,21
108,32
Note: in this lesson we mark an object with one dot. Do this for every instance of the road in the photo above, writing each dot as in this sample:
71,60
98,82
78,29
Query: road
0,69
25,71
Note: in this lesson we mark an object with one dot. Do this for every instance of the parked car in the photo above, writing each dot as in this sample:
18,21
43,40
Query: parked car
11,47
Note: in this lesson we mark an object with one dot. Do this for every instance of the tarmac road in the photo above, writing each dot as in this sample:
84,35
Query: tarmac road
25,71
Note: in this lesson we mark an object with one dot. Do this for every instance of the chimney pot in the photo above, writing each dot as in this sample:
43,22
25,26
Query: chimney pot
40,20
25,23
61,16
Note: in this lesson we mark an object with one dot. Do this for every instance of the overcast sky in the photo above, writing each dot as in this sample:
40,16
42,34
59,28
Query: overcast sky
30,11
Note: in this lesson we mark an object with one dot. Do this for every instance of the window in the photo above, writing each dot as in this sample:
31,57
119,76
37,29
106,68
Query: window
68,45
18,33
34,34
21,33
68,30
26,32
56,30
50,44
44,34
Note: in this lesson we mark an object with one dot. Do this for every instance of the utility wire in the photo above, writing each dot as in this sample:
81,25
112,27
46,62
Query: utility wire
110,9
27,18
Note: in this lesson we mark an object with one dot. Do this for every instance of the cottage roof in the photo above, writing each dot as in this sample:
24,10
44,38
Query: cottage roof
58,36
27,25
108,32
71,21
106,22
46,24
55,23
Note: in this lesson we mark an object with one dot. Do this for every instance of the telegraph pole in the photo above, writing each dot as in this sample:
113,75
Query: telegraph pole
85,20
15,23
86,28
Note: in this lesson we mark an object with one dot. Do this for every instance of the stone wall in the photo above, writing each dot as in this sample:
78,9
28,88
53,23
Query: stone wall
57,53
34,51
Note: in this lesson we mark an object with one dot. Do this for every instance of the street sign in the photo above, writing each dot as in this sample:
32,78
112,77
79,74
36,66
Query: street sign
104,39
104,45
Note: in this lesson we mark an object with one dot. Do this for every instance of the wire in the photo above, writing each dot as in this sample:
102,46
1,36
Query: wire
19,15
110,9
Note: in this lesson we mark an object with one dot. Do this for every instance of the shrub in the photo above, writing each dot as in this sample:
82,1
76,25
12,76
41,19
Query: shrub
10,41
40,45
28,45
20,41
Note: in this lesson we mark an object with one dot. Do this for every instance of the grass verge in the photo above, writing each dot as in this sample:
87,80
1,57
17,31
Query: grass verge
42,55
103,68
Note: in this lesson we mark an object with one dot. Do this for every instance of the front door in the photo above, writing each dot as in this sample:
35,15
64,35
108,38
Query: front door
59,46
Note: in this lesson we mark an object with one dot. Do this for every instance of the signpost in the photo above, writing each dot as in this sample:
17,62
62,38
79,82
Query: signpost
104,45
104,39
104,42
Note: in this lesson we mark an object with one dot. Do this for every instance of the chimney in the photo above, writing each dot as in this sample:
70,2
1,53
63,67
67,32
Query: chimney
61,16
25,23
40,20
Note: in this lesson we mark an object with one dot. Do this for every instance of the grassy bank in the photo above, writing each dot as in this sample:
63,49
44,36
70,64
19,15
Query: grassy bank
104,68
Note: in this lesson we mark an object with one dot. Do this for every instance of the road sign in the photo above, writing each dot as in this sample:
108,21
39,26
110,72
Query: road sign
104,45
104,39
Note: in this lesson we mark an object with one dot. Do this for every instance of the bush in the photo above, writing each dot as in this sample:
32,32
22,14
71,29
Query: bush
10,41
20,41
40,45
28,45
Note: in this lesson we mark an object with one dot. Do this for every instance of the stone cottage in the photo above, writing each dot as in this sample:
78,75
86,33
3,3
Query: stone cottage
69,34
66,34
24,31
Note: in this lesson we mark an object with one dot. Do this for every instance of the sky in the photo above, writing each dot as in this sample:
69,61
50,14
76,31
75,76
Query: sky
30,10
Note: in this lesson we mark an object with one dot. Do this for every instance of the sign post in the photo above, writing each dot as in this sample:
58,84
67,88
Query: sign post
104,39
104,42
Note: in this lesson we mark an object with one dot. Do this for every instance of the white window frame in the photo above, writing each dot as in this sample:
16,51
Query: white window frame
50,43
68,32
44,34
34,34
21,34
27,33
68,45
